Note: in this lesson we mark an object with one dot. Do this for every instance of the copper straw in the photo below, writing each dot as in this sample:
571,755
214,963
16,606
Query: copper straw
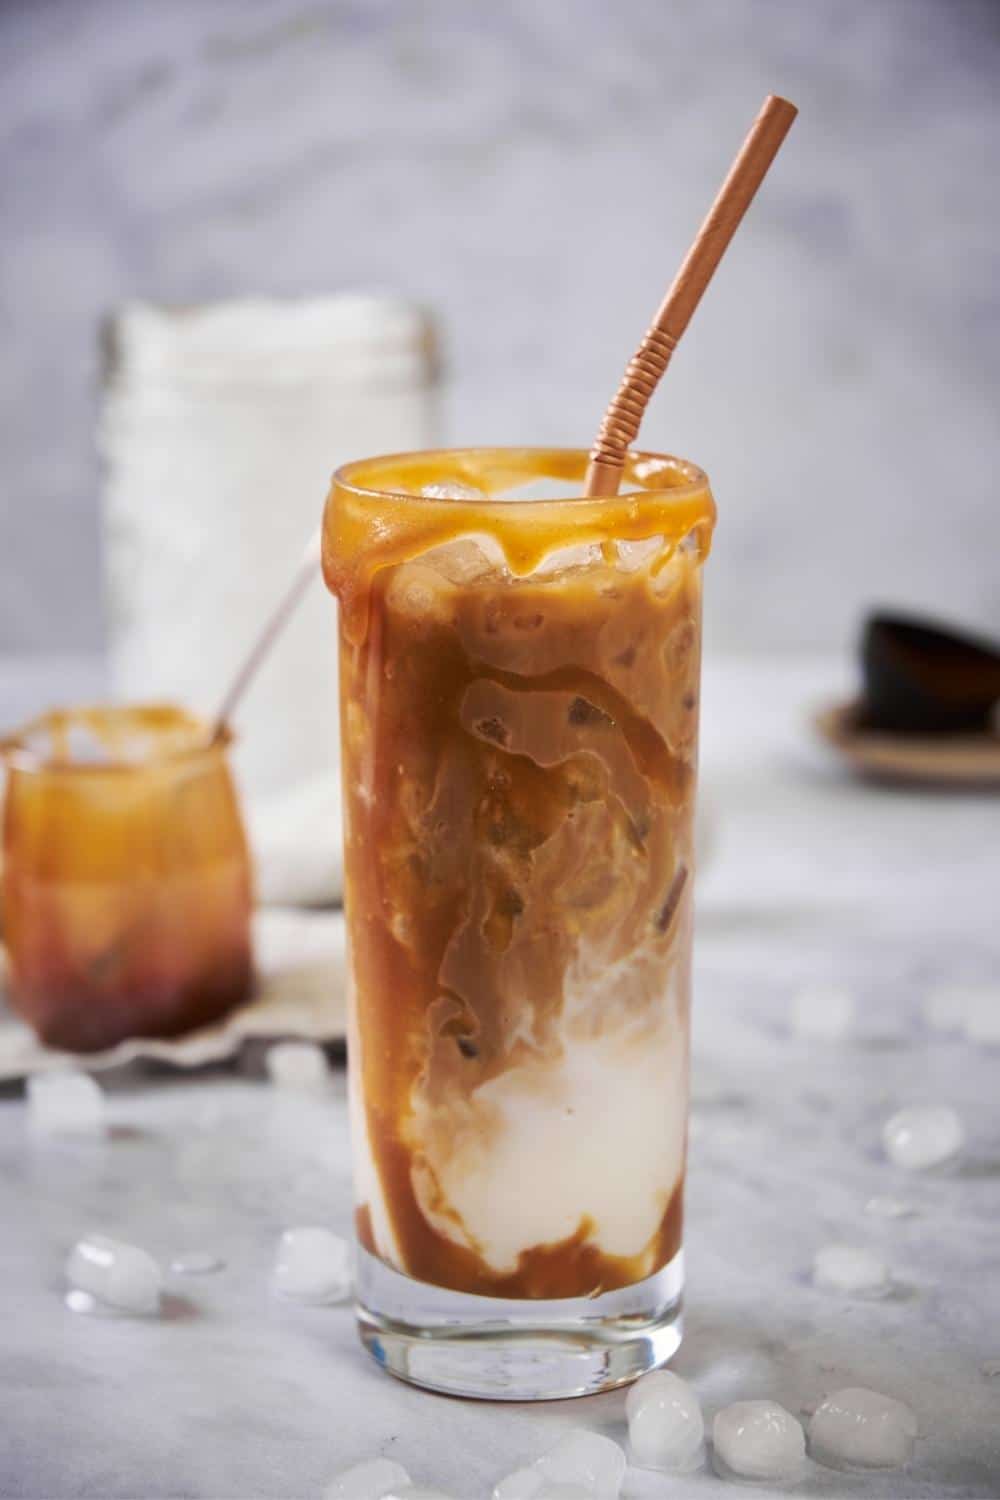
644,369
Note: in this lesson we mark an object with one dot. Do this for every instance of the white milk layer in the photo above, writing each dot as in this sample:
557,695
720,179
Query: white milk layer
595,1134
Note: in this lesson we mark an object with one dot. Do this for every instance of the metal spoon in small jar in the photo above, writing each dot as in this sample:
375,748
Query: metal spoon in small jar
305,573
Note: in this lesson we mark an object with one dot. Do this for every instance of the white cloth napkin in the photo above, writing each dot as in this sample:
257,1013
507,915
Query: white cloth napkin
297,842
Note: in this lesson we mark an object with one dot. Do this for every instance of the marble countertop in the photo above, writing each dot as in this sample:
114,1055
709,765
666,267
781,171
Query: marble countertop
809,877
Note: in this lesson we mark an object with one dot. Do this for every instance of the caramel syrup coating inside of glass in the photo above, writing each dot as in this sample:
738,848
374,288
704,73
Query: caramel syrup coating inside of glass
519,752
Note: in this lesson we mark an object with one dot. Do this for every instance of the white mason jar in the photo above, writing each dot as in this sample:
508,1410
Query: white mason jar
220,427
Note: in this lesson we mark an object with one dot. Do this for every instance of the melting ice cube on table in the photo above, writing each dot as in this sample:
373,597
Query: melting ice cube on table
530,1484
757,1440
65,1103
851,1269
595,1463
313,1265
371,1480
583,1464
924,1136
522,1484
860,1429
666,1428
116,1274
300,1066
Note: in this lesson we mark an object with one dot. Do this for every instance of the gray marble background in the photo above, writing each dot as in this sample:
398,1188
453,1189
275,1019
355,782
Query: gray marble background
840,383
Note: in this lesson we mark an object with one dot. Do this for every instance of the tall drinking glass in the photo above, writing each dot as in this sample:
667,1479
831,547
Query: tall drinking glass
519,707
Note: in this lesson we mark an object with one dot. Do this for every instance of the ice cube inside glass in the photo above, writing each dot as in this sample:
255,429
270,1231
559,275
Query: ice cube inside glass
519,683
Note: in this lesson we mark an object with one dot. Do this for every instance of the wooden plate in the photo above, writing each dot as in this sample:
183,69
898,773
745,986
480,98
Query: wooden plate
959,760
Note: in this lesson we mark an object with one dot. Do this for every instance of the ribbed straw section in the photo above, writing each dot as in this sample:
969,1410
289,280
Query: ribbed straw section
622,418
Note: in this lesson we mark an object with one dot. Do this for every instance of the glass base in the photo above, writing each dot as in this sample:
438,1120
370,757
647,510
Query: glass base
499,1349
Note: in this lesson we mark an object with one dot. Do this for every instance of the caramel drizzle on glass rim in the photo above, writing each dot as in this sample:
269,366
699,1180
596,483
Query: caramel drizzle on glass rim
377,518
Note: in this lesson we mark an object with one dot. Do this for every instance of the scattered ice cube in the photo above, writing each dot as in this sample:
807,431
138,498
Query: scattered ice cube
924,1136
196,1263
757,1440
83,1302
65,1102
889,1208
990,1368
582,1466
297,1065
90,1306
851,1269
860,1429
823,1013
453,489
522,1484
371,1480
665,1426
113,1272
982,1017
531,1484
313,1265
592,1463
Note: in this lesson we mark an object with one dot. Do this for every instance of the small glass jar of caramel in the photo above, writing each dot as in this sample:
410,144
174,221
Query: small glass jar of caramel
126,883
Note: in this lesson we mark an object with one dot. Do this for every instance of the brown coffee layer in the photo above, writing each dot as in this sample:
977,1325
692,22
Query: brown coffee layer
519,778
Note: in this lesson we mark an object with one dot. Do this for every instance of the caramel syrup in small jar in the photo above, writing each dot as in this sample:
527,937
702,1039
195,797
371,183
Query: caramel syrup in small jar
127,886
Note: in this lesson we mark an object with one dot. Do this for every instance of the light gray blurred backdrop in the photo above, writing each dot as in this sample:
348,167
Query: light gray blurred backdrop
534,171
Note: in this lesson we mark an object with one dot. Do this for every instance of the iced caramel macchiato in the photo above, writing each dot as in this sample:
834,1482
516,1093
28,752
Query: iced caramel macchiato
519,698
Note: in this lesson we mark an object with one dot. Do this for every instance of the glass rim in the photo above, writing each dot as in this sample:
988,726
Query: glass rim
19,755
694,480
